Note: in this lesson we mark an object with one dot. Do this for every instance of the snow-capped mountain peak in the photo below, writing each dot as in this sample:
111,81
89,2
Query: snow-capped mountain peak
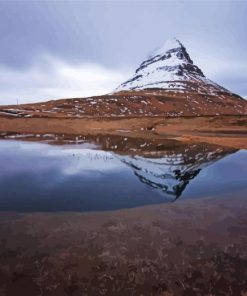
170,44
170,67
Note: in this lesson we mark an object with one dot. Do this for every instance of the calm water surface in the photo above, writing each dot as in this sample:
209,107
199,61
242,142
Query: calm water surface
108,173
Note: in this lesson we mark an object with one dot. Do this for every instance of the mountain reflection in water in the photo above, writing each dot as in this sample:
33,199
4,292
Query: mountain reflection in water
105,172
172,172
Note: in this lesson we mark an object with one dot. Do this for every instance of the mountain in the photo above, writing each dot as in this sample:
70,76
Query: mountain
171,68
167,84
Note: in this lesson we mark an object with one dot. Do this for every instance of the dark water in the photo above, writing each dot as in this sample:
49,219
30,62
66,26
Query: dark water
106,173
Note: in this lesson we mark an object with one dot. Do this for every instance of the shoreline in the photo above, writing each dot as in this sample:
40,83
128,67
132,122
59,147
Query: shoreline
227,130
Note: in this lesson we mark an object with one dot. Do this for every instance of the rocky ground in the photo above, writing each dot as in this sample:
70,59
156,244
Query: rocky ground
186,248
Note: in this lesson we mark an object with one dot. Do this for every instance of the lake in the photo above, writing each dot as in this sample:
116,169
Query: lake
51,173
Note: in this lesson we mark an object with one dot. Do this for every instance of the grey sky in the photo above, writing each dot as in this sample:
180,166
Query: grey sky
47,45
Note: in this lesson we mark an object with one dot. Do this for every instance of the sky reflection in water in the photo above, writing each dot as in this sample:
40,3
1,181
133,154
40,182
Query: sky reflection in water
82,177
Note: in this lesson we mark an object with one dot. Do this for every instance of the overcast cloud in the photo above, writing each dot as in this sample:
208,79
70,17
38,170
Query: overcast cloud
53,49
51,78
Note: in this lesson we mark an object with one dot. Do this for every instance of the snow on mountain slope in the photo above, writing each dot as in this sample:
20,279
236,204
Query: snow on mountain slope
170,68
